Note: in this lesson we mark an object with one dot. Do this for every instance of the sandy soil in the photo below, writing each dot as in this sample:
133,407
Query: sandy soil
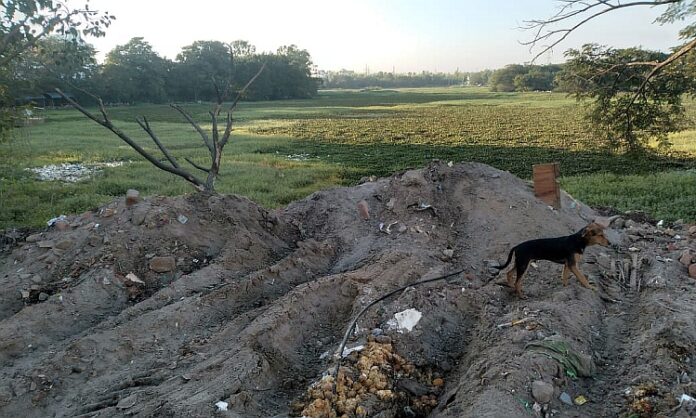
187,306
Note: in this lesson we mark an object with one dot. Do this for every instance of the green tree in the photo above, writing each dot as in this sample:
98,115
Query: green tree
480,78
621,118
53,62
242,48
634,94
23,23
204,69
504,78
134,72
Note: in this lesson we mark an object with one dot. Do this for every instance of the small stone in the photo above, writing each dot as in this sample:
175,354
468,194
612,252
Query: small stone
132,278
692,271
43,296
132,197
692,230
391,203
413,386
36,278
542,391
64,245
94,240
34,238
686,258
182,219
566,399
25,294
24,276
438,382
163,264
61,225
139,214
45,244
448,252
619,223
127,402
383,339
363,210
413,178
108,212
377,331
630,223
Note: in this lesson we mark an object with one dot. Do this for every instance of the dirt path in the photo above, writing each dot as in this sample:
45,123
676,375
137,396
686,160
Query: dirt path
170,306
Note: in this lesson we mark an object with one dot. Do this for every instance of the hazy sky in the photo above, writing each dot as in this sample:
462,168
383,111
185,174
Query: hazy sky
405,35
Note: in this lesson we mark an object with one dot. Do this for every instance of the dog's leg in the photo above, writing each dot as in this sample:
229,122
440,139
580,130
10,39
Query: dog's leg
511,276
576,271
565,274
520,268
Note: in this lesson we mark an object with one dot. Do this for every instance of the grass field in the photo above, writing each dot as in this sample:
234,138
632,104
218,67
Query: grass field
282,151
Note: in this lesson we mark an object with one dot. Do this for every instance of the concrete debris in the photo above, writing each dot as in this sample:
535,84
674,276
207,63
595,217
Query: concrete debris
405,320
70,173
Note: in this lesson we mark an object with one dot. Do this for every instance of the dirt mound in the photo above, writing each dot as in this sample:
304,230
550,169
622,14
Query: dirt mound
188,306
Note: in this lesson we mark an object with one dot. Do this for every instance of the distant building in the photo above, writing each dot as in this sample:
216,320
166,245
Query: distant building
45,100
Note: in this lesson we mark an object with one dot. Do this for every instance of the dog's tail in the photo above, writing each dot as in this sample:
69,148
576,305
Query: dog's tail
512,251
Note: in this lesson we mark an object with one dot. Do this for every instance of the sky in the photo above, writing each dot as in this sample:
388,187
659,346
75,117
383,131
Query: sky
375,35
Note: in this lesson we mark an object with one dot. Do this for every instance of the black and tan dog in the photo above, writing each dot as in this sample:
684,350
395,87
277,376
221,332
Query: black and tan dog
563,250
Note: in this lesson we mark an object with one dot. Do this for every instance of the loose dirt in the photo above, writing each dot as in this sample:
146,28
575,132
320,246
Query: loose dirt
214,306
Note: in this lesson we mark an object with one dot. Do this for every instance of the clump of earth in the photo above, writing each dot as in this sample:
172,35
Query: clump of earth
210,305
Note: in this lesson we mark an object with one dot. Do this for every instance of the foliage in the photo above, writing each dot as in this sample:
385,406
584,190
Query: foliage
346,79
23,23
517,77
611,78
134,71
53,62
203,71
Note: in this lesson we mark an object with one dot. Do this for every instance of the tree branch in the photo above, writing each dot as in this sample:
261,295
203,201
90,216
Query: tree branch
206,170
563,16
195,125
146,127
675,56
228,126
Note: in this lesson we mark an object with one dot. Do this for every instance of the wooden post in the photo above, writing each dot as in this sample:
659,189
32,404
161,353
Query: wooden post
546,186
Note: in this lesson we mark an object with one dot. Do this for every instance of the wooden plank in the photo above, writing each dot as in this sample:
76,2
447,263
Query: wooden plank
546,186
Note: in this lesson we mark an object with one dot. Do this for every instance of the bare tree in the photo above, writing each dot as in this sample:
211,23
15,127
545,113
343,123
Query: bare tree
214,142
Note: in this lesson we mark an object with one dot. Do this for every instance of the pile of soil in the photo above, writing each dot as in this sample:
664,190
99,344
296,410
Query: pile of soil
212,305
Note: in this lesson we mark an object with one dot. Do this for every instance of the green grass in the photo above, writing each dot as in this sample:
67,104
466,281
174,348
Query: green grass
342,136
668,196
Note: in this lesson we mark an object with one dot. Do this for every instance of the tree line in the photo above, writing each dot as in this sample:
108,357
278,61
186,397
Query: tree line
136,73
513,77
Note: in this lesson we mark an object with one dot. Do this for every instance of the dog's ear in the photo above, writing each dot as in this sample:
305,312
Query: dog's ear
592,230
589,230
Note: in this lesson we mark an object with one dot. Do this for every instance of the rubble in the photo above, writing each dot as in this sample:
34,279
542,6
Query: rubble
251,305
